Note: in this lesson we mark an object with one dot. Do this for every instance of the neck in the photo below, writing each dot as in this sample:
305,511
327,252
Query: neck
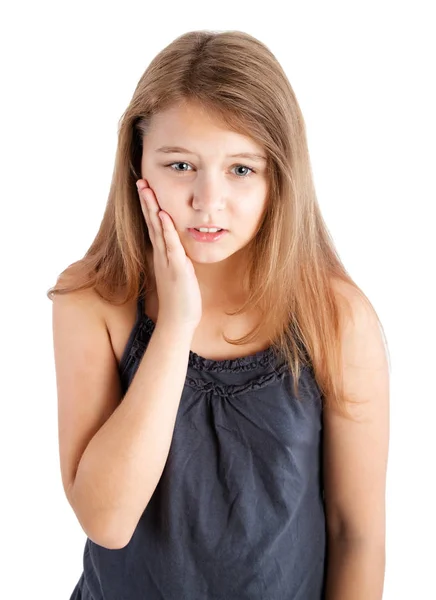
222,283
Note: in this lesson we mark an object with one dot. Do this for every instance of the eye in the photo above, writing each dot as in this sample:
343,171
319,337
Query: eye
244,167
178,163
241,176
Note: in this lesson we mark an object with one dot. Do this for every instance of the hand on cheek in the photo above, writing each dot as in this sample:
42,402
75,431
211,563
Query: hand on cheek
156,192
161,197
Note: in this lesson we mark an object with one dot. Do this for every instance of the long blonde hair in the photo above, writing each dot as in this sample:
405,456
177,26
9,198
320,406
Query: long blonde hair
294,263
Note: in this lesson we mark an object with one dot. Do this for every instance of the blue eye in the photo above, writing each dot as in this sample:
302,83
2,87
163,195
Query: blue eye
249,169
244,167
178,163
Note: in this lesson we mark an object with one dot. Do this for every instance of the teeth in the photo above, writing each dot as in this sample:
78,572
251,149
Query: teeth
206,230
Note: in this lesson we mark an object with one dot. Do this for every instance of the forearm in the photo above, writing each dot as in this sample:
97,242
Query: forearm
122,464
355,570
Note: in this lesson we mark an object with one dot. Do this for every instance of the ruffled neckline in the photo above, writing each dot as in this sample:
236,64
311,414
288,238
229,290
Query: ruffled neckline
260,359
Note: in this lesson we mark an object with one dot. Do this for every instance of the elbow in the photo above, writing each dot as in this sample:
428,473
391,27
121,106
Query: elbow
108,541
112,531
107,533
102,527
357,533
365,544
108,528
103,530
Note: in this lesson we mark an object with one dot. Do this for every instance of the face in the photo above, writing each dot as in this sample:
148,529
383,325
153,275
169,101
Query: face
201,184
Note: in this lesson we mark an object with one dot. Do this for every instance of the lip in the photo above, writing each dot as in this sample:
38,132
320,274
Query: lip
206,237
208,227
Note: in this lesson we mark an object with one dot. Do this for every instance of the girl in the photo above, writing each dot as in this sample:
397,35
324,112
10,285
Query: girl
222,381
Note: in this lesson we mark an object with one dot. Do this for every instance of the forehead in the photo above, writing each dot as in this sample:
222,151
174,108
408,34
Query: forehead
189,123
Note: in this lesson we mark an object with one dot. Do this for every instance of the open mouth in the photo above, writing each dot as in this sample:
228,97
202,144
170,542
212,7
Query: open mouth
207,236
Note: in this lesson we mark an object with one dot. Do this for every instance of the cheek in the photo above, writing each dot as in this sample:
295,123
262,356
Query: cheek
168,202
162,194
154,178
252,208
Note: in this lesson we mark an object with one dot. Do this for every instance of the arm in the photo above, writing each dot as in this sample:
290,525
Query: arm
112,452
355,462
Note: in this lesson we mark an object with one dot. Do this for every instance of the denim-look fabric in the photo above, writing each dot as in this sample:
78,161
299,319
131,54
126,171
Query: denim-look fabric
238,513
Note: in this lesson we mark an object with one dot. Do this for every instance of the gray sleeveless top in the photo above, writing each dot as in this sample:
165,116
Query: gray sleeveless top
238,513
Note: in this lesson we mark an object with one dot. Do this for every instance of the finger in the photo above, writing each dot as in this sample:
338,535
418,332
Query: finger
151,232
153,225
145,212
174,249
153,209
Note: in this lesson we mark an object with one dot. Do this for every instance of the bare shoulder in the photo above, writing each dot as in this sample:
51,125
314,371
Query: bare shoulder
87,299
87,379
363,344
351,301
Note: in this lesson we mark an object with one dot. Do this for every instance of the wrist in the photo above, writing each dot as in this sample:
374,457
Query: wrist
175,330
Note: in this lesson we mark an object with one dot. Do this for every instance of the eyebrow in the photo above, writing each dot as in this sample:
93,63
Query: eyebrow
179,150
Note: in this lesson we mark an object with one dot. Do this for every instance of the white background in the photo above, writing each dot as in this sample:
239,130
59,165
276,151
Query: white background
364,75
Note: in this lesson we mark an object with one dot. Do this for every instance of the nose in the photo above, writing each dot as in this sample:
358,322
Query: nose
208,194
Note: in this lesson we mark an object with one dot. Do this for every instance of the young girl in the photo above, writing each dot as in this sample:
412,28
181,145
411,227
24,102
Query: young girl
222,381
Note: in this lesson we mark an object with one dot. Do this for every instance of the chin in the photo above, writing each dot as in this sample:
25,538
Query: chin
200,258
207,254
